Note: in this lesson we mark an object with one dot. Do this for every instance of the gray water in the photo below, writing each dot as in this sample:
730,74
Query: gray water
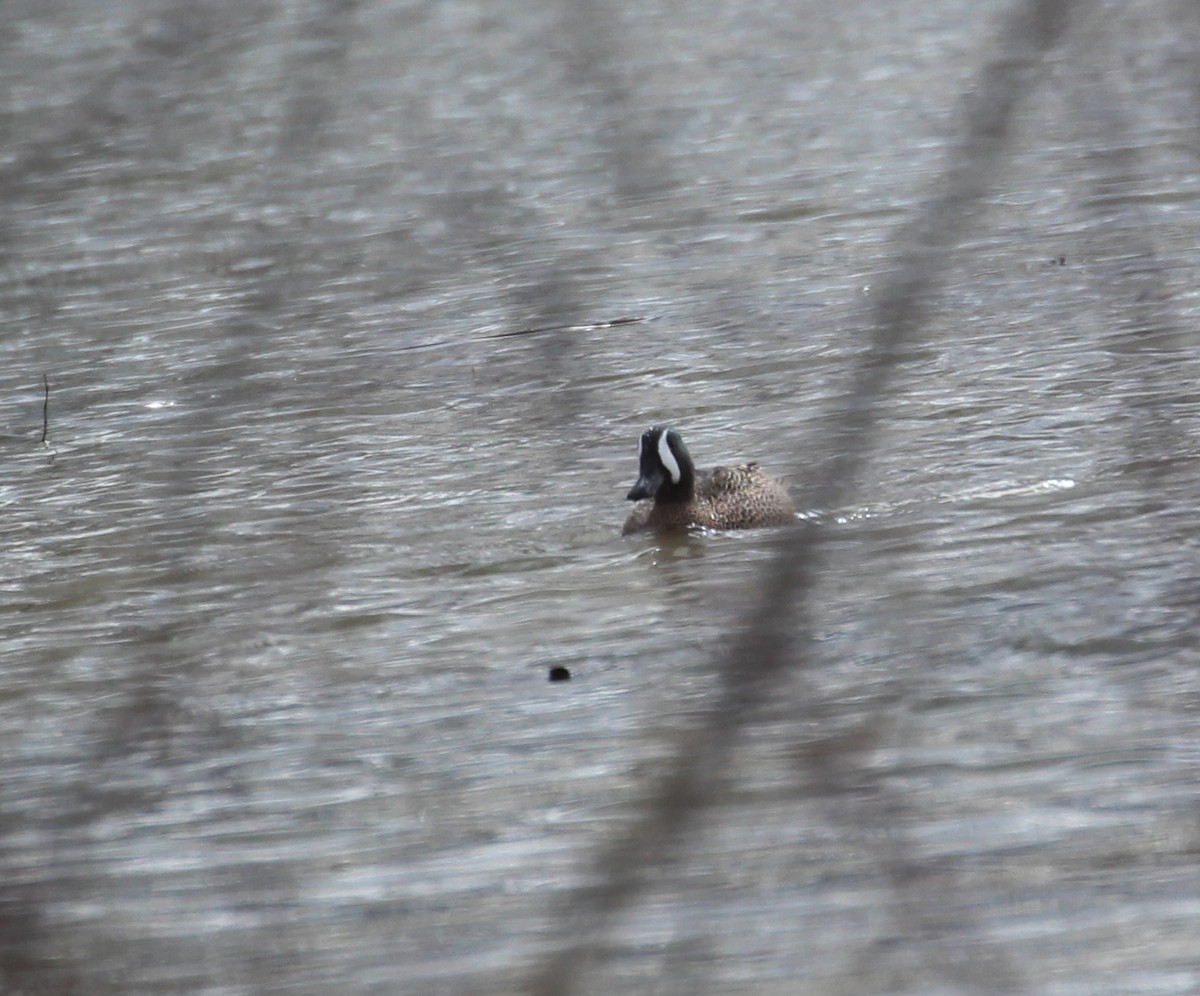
280,592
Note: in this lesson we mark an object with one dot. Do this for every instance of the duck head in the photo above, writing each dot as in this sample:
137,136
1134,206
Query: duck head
665,469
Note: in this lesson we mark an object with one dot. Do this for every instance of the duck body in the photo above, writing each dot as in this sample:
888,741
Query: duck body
671,494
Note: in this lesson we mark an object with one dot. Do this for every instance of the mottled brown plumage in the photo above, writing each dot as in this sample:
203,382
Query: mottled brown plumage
672,494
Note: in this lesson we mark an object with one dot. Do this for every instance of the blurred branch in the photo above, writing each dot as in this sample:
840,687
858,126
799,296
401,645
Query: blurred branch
774,638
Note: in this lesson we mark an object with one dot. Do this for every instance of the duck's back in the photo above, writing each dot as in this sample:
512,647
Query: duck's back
742,497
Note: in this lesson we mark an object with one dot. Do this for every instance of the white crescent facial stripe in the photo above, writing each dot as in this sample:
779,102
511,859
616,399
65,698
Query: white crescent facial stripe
668,459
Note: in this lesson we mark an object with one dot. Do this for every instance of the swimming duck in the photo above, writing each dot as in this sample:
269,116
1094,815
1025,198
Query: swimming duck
740,497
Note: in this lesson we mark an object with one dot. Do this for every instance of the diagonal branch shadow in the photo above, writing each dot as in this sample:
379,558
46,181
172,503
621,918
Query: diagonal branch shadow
775,637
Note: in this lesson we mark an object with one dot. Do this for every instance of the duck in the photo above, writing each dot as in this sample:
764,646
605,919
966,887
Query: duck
671,494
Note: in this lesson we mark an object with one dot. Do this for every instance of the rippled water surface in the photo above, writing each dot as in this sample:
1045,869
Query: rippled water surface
351,316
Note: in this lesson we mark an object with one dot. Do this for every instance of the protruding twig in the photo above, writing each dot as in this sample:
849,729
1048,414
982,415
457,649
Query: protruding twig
45,409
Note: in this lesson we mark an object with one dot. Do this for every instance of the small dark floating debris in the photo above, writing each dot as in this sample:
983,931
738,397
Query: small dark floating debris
584,327
559,673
